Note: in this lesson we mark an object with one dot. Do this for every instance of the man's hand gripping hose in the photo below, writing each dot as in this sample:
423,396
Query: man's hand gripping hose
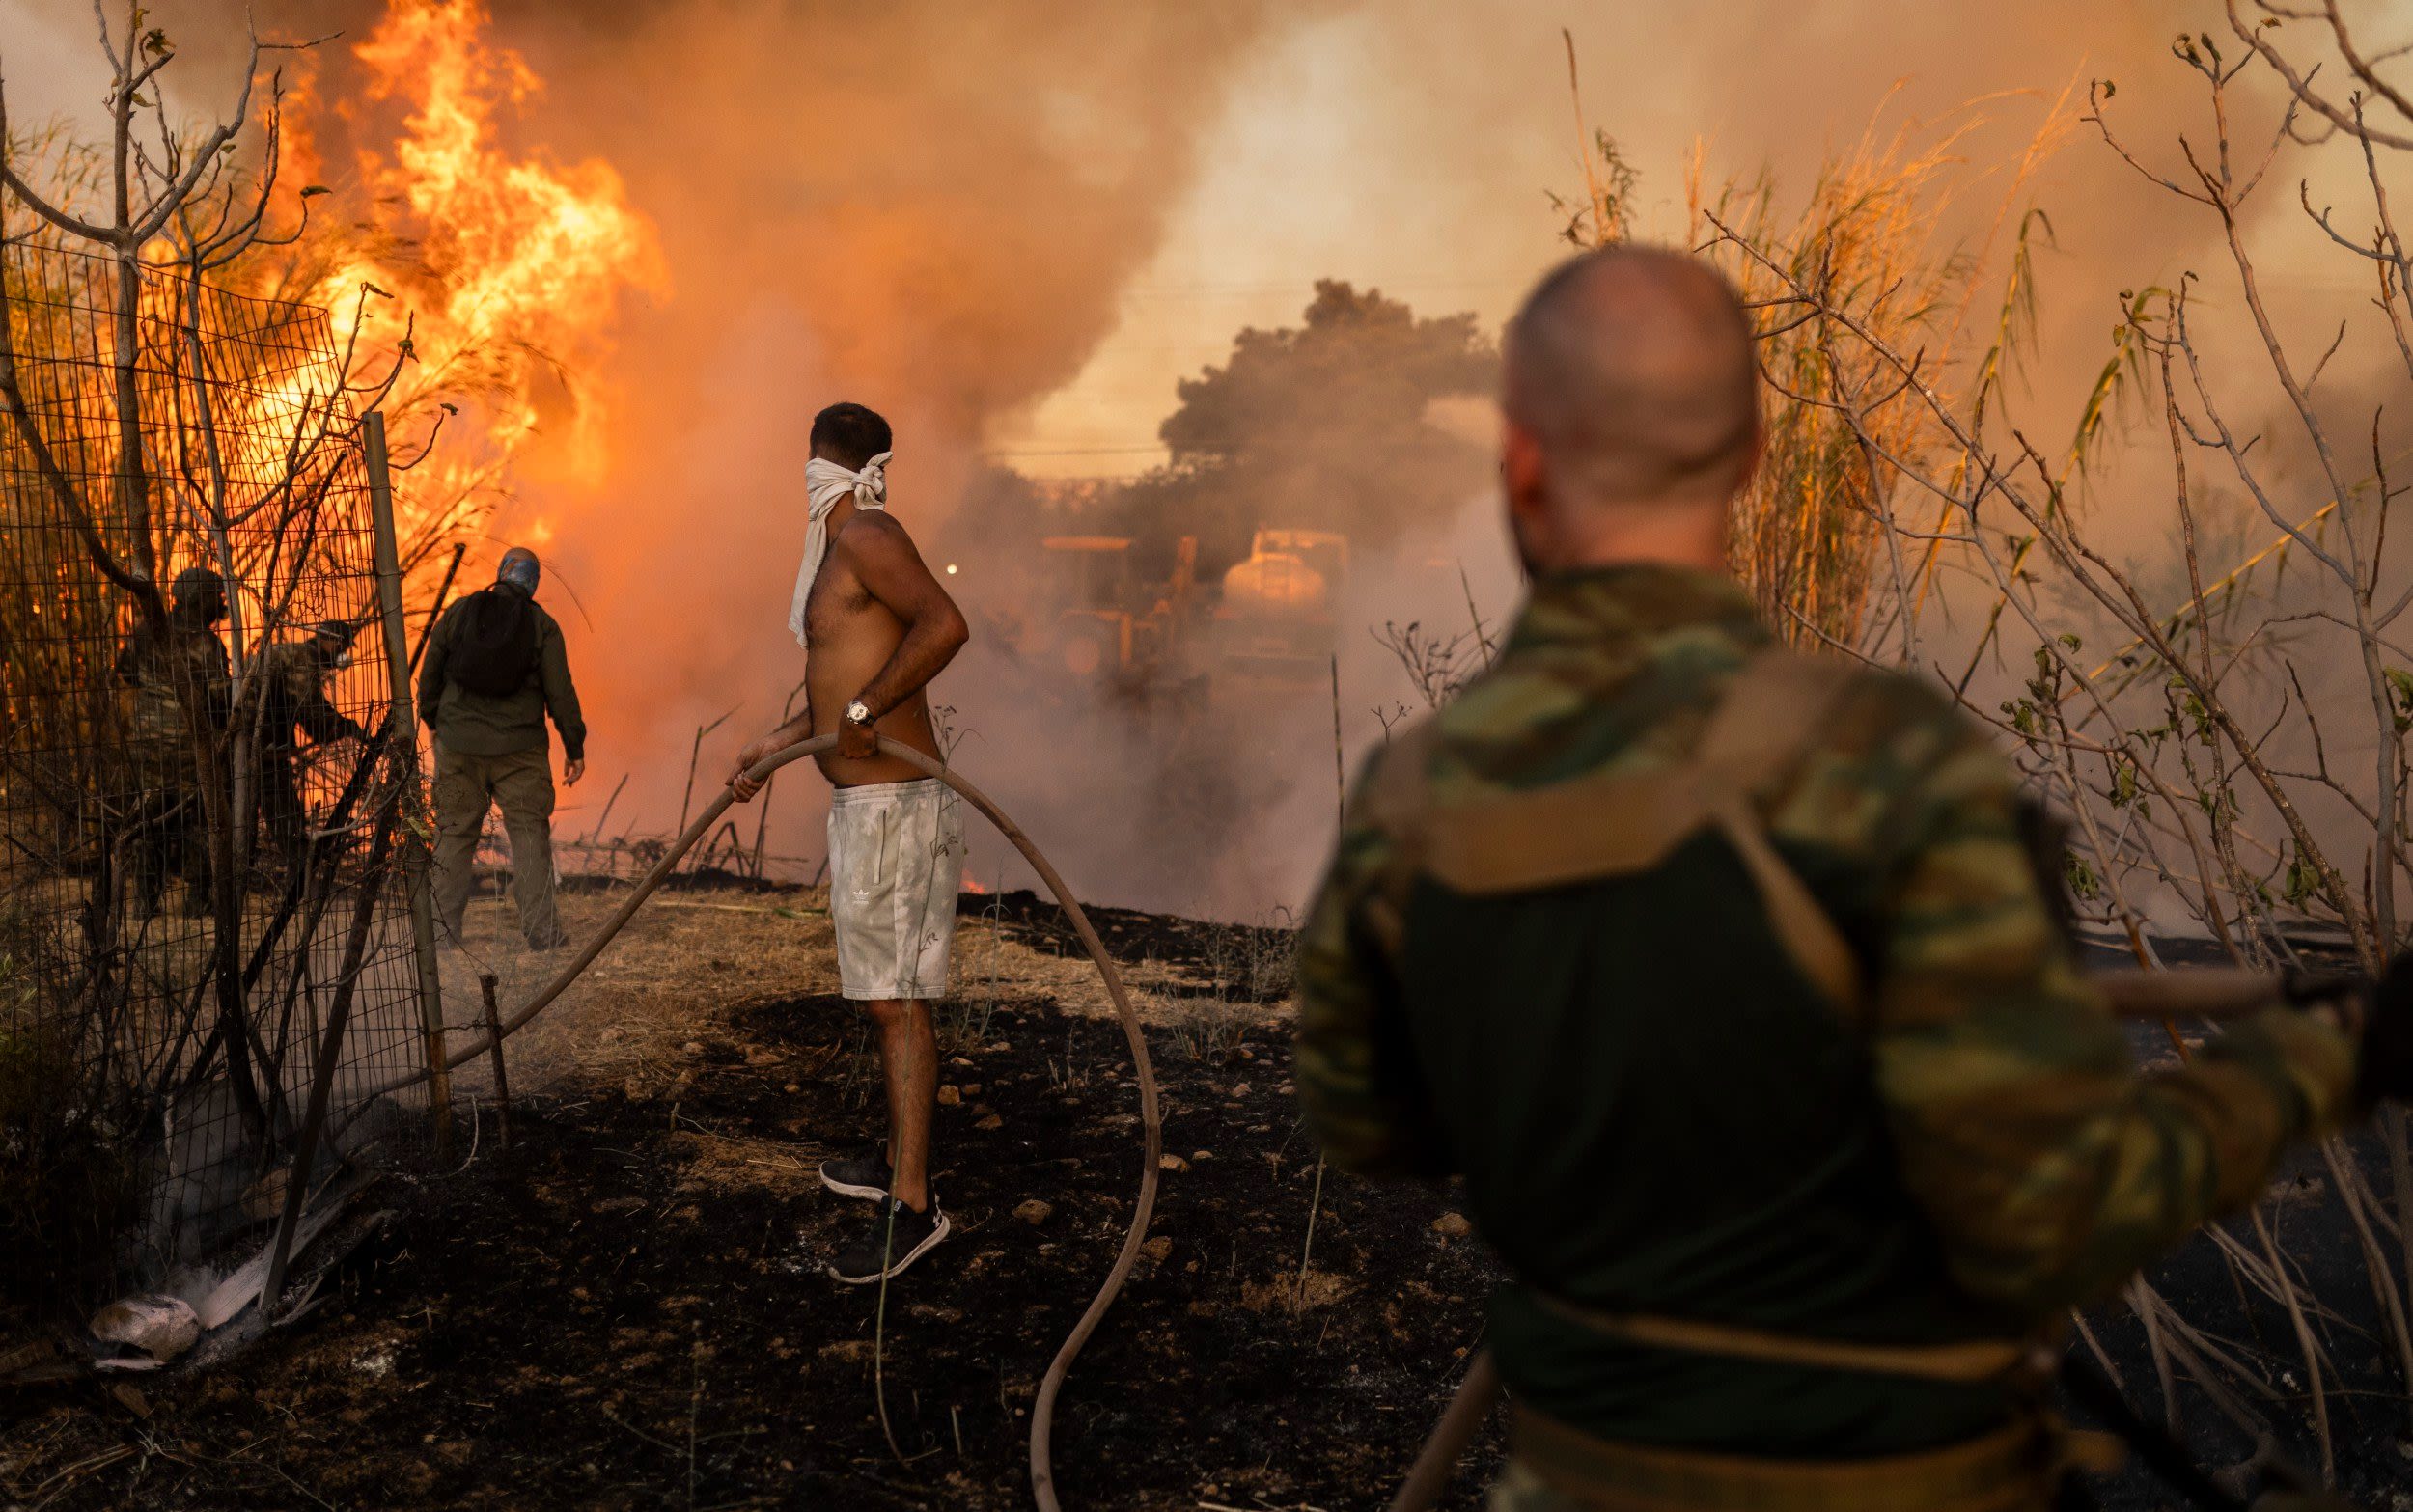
1152,1123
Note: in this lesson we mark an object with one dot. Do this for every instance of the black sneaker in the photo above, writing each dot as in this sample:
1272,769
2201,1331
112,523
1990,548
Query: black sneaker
864,1175
897,1237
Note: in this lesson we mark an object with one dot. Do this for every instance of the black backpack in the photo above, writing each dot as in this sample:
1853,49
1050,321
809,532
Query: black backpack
496,649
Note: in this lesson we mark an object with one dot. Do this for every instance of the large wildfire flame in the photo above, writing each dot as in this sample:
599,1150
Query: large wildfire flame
508,271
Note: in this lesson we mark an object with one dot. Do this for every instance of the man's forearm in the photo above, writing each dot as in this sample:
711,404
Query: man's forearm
796,729
924,654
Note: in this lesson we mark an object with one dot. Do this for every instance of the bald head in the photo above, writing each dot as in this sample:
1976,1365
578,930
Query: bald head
1631,373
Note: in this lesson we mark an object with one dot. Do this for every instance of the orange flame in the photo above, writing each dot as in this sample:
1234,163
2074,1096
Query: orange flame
513,266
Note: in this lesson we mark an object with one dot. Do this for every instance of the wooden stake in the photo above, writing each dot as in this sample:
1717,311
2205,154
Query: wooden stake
762,809
1475,616
695,754
404,728
1340,771
609,804
502,1075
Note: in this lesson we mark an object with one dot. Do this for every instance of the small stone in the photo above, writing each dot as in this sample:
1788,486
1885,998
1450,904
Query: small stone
1035,1211
992,1121
792,1088
971,1089
693,1047
1452,1226
1158,1249
1172,1162
1198,1155
980,1109
1239,1089
949,1096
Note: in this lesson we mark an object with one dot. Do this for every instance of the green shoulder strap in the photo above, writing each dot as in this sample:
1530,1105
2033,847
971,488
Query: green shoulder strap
1621,823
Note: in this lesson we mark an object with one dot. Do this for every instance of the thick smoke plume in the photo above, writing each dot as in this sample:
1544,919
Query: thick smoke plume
927,208
934,209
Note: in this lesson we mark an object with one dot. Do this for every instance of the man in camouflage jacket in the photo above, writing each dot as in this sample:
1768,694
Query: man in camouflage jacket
164,671
293,704
1657,1111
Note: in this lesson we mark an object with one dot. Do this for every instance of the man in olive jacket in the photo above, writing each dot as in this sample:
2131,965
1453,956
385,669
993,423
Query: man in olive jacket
496,667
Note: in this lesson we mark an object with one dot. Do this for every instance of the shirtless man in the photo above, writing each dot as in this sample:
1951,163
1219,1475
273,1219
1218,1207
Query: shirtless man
877,627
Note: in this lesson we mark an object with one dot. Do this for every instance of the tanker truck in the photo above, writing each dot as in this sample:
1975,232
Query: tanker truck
1275,629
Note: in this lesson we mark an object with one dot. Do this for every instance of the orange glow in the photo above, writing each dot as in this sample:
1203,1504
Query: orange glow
510,268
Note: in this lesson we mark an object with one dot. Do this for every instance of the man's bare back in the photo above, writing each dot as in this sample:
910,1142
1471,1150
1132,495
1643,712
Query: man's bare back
854,633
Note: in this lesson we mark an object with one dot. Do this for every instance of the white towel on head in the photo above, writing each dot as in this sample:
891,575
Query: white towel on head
825,483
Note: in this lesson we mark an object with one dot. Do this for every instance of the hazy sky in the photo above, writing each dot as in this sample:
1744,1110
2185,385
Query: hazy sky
1410,144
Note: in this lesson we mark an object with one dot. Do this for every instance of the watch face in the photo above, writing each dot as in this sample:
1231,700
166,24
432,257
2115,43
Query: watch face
859,712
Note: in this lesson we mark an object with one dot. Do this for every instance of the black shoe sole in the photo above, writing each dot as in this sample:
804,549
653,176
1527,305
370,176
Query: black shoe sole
847,1188
896,1267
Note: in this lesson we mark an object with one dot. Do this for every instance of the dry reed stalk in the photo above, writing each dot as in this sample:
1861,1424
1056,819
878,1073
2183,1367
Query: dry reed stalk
2311,1350
2141,1301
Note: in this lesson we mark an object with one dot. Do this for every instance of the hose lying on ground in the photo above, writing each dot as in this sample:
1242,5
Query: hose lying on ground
1152,1123
2209,994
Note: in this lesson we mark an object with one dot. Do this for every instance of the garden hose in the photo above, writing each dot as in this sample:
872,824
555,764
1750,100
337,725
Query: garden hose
1151,1121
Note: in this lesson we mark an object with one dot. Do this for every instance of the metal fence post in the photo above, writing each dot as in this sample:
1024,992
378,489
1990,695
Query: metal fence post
397,660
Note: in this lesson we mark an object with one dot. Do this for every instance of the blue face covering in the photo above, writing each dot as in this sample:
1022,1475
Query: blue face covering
519,567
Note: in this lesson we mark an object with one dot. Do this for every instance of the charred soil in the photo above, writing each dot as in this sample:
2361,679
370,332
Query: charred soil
627,1308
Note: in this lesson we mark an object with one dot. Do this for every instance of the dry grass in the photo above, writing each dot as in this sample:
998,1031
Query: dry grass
688,956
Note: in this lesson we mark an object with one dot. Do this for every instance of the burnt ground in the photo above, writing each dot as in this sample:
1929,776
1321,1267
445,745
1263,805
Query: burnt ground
625,1307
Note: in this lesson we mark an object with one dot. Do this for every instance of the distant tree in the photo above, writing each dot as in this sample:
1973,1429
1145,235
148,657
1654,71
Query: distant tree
1362,370
1328,425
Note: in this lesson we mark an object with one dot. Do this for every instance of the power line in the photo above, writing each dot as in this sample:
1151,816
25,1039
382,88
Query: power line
1074,451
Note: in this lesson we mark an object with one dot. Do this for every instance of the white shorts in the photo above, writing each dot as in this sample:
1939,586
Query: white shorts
895,856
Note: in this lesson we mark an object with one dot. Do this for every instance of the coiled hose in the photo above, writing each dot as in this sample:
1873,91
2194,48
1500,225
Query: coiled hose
1151,1121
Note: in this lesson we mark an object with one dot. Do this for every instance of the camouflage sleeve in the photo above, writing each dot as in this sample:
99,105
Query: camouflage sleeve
2051,1167
1349,1030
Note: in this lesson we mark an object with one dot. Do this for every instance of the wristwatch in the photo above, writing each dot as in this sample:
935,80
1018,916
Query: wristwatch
858,712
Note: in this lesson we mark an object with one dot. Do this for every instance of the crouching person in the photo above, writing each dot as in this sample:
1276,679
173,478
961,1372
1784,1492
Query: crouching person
496,666
877,627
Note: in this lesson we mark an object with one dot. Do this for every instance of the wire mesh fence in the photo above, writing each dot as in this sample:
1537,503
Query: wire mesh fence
207,811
